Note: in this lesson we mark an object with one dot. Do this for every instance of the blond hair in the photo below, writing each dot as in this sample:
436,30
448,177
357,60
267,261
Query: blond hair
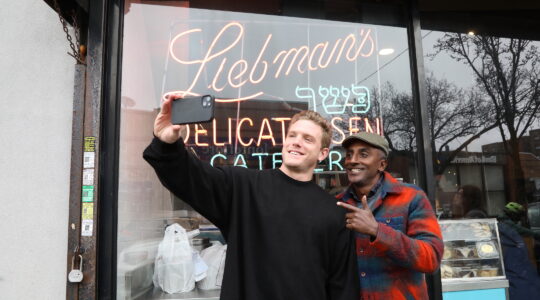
319,120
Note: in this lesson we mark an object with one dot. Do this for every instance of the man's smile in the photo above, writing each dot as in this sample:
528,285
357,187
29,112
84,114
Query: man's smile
355,170
296,153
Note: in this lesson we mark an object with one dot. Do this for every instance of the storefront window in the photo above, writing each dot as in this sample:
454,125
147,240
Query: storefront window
262,69
484,118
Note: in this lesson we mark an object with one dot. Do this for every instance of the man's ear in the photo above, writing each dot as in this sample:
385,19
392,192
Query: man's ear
383,164
323,154
384,161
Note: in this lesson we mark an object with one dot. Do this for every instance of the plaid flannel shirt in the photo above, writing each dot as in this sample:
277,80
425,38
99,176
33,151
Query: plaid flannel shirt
408,243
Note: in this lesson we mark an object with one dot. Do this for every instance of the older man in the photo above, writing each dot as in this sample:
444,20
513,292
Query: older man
398,238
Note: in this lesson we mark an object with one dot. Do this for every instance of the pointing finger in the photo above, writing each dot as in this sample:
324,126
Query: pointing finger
347,206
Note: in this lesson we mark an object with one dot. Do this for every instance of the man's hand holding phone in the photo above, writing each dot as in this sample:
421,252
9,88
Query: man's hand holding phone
164,129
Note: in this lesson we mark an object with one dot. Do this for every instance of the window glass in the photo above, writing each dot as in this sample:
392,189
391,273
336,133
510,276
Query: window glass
448,181
470,175
494,177
262,69
485,122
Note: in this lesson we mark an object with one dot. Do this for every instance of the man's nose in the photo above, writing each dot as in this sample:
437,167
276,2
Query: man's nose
354,158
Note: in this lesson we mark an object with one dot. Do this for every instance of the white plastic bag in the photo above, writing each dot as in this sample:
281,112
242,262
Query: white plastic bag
173,268
214,256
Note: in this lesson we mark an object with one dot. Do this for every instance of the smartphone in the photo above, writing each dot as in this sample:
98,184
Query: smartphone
191,110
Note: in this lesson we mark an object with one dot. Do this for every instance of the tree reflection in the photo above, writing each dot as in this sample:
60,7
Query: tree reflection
508,75
454,115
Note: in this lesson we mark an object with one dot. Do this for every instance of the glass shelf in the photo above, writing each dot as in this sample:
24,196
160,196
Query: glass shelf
469,259
472,250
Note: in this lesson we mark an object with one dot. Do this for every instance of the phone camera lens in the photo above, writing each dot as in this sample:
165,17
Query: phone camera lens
206,101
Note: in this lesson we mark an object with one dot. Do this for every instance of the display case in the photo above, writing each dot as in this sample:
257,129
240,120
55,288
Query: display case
472,258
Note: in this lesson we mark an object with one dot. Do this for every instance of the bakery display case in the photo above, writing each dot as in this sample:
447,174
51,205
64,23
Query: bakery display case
472,259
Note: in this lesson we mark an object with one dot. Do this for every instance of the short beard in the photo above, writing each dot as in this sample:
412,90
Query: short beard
359,184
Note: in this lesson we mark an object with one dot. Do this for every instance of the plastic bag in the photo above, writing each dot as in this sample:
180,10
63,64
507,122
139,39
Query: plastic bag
173,268
214,256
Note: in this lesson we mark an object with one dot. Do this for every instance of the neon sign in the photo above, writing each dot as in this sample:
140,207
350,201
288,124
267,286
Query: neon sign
238,73
334,160
335,100
218,71
200,137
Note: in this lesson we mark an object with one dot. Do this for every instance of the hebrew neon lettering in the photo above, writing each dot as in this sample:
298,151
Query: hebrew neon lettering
330,98
363,102
345,92
307,93
334,93
335,100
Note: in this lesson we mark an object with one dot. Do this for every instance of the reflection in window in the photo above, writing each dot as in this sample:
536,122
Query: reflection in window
262,69
483,100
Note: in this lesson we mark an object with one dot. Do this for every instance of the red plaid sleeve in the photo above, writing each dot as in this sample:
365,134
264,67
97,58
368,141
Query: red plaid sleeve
421,248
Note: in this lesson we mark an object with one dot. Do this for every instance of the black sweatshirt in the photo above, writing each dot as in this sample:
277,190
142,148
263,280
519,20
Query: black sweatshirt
286,238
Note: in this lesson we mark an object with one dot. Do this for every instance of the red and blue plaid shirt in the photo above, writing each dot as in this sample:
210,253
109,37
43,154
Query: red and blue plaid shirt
408,242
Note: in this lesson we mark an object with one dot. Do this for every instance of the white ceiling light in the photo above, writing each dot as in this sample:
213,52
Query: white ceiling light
386,51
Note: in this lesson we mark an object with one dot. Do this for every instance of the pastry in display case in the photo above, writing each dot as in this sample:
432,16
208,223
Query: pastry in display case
472,250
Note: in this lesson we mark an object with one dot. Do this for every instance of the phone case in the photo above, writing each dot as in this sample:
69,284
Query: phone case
193,110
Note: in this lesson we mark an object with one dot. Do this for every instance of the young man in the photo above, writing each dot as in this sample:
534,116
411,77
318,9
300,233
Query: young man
286,238
398,238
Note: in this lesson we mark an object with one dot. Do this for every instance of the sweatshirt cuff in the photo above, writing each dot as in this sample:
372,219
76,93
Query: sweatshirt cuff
166,148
